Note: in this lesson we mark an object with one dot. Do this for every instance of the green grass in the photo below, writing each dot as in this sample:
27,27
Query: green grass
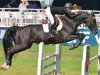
25,63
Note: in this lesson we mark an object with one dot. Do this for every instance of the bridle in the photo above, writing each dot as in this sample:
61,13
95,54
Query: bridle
89,20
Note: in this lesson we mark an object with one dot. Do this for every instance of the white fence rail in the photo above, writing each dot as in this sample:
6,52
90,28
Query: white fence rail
12,16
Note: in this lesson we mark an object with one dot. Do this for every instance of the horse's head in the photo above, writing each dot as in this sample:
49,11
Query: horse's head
88,19
91,23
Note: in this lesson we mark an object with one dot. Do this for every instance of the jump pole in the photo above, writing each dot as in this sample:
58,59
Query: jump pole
56,63
99,59
85,60
39,68
98,23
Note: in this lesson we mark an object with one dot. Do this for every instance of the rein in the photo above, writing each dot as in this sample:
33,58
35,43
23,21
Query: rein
71,21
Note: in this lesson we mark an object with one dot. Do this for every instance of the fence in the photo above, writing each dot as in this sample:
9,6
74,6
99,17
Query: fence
12,16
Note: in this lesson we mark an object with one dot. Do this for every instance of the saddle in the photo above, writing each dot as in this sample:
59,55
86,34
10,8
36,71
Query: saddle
57,24
45,21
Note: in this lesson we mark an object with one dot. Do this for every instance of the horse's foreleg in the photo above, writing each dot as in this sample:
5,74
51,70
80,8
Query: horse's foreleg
12,51
80,37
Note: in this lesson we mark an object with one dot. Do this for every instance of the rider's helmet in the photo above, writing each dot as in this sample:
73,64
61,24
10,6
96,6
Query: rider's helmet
68,6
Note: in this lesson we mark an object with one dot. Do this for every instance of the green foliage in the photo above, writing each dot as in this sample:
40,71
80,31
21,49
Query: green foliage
25,63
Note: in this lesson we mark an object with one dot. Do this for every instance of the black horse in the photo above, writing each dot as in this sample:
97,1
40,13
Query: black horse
17,39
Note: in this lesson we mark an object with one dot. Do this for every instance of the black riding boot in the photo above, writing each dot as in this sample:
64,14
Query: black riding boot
52,31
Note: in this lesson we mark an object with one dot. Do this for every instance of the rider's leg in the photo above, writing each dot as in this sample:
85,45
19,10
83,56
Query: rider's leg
50,17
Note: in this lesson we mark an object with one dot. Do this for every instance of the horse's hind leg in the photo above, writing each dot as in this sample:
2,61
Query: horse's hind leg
11,51
76,36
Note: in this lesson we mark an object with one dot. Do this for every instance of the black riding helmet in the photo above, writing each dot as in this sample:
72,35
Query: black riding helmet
68,6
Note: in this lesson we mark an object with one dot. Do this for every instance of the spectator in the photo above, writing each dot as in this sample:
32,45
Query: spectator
32,6
76,7
23,5
22,8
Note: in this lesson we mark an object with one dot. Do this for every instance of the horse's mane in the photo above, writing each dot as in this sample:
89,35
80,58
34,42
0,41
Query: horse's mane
65,19
76,17
82,15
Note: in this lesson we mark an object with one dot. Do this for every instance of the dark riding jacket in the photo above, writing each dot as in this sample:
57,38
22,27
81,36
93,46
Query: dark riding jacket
61,11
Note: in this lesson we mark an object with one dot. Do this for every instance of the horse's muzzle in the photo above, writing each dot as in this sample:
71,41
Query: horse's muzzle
95,32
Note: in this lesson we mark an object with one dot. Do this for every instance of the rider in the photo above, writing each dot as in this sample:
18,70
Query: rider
51,11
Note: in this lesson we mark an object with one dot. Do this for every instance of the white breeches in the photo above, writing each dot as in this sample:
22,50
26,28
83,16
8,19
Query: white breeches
49,15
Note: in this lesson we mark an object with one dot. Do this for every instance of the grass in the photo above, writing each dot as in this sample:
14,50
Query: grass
25,63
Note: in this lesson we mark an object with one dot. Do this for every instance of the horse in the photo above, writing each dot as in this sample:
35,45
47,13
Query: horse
17,39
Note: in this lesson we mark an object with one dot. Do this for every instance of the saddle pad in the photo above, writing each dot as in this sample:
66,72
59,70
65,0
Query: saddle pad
45,28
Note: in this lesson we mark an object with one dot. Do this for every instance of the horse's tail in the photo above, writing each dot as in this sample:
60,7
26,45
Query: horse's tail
8,39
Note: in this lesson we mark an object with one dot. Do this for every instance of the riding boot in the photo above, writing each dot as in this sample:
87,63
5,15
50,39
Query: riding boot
52,31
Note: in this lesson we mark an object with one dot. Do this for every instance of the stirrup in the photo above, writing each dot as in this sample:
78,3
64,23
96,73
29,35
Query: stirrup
52,35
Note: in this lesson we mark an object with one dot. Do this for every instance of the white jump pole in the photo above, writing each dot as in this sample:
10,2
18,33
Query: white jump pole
39,68
98,23
85,60
55,63
99,59
58,58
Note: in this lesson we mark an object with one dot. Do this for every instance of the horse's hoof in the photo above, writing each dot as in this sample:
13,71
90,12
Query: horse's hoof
71,48
5,66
